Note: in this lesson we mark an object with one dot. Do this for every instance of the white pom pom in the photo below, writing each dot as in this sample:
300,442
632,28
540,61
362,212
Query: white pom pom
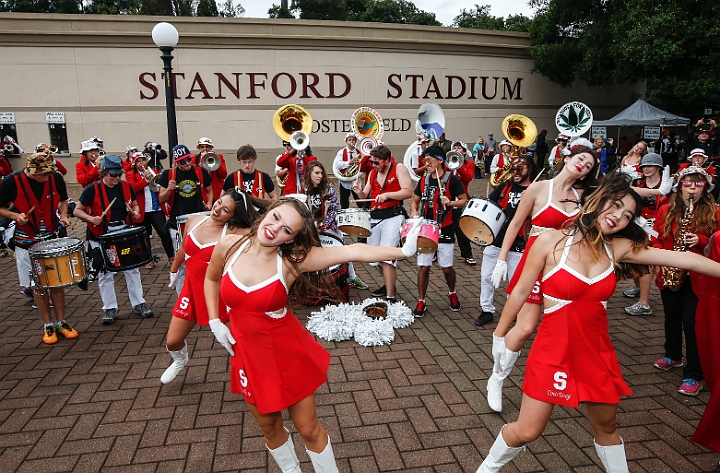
374,332
331,323
400,315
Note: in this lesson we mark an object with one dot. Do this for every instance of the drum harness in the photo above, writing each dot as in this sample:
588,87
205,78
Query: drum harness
427,204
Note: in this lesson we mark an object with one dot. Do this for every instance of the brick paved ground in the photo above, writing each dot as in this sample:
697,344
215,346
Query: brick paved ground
96,403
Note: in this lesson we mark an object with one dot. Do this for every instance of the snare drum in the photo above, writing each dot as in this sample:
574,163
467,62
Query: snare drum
428,237
181,220
126,249
58,263
481,220
339,271
355,222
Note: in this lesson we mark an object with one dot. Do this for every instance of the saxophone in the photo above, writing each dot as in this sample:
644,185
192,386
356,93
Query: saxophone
674,277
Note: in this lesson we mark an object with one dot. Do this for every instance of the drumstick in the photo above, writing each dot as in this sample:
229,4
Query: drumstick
32,209
364,200
437,176
108,208
538,176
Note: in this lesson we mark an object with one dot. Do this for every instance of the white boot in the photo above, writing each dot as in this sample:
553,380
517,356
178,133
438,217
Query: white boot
323,462
285,456
180,359
499,455
497,378
612,457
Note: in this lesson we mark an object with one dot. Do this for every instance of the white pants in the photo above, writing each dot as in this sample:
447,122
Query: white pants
106,283
490,257
22,259
177,237
386,233
445,254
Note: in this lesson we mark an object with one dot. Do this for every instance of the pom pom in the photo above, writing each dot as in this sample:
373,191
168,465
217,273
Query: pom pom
374,332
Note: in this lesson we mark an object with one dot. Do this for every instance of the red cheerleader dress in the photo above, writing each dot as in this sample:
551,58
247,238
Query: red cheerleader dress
572,359
191,304
277,363
546,219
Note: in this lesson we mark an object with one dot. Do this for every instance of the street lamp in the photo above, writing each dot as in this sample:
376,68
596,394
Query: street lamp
166,38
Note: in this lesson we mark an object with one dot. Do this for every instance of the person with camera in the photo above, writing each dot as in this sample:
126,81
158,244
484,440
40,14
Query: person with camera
704,127
155,154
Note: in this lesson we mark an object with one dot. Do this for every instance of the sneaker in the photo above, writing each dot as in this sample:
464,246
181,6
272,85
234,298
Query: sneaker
690,387
379,292
66,330
484,318
27,292
143,310
358,283
49,335
420,309
638,308
150,265
109,316
390,299
631,292
454,302
666,363
471,261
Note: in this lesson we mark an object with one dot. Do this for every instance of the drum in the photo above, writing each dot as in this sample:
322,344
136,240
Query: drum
58,263
481,220
355,222
126,249
339,272
181,220
428,237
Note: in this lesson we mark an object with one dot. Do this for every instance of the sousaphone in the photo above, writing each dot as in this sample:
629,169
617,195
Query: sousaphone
521,132
291,118
368,127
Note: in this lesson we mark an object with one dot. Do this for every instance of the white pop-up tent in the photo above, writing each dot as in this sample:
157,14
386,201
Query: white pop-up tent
642,113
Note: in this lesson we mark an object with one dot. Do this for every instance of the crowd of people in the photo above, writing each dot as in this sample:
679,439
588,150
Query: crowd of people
566,241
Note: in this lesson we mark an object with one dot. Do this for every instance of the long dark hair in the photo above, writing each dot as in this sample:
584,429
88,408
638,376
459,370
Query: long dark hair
533,170
295,252
245,203
589,183
324,187
703,221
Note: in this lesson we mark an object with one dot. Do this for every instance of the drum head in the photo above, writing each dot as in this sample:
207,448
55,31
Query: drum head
476,231
122,233
58,245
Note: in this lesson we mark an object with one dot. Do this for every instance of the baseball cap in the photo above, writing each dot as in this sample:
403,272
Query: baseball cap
180,152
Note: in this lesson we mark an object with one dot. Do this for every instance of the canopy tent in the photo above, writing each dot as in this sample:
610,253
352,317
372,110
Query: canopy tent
642,113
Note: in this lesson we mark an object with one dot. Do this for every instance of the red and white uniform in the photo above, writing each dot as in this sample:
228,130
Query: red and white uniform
546,219
465,173
277,362
294,184
572,359
190,304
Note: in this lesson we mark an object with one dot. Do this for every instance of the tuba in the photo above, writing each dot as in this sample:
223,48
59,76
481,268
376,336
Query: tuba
291,118
299,140
453,160
521,132
368,127
210,161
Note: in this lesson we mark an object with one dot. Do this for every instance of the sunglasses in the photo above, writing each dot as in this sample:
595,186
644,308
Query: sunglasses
115,174
519,168
691,183
374,163
183,162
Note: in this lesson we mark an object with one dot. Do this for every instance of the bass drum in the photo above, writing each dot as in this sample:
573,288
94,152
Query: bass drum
481,220
126,249
339,272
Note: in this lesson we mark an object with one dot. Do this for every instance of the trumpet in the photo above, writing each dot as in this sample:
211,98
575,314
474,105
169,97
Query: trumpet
101,154
53,149
9,148
453,160
210,161
153,179
299,140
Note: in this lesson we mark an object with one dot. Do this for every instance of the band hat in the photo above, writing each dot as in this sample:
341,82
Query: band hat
40,163
180,152
112,164
350,135
134,156
97,140
697,151
205,141
464,146
88,145
131,149
562,137
41,147
694,170
651,159
504,142
578,142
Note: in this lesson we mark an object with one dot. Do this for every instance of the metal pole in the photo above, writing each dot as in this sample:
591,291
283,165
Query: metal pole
169,100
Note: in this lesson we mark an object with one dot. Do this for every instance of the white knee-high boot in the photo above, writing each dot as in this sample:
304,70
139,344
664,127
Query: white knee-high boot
612,457
499,455
285,456
497,378
323,462
180,359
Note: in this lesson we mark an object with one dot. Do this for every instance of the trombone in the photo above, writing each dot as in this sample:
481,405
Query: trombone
152,178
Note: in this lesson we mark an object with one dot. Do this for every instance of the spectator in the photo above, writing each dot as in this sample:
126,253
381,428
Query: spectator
541,148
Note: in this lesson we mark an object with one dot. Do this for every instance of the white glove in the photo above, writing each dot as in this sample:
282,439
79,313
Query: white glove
499,274
667,182
173,279
498,352
410,247
222,335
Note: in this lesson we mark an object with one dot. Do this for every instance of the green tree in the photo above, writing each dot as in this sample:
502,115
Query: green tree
279,11
42,6
230,10
156,7
480,18
671,44
320,9
207,8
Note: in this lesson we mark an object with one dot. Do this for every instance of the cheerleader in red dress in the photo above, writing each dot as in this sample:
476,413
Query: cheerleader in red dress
630,164
276,364
549,204
572,359
232,213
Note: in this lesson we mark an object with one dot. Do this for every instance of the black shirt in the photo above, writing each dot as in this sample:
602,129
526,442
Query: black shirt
507,195
188,194
118,211
248,180
8,188
456,189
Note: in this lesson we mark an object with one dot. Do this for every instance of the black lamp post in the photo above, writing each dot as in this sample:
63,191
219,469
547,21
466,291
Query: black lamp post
166,38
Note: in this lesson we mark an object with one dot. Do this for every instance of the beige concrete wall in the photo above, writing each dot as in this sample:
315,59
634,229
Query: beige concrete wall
104,72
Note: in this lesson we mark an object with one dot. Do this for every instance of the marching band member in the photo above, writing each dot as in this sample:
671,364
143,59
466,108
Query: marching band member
675,223
507,196
205,145
87,168
127,163
416,163
557,151
465,173
549,204
233,214
39,194
295,162
501,159
388,184
276,364
435,199
572,359
650,167
43,147
5,168
151,214
343,159
249,179
281,173
699,158
184,189
93,201
323,204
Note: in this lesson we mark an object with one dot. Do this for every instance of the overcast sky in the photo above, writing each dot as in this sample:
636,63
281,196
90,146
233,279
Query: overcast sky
445,10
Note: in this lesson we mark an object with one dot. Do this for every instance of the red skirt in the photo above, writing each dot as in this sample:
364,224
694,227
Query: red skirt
535,296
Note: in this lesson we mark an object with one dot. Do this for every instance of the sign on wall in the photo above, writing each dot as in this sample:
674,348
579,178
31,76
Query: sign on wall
7,118
55,117
598,131
651,132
